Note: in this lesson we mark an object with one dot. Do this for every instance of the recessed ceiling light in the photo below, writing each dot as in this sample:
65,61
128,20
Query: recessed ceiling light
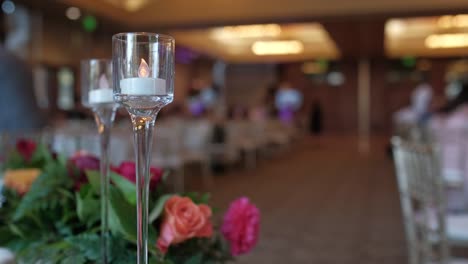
73,13
447,41
8,7
247,31
277,47
395,26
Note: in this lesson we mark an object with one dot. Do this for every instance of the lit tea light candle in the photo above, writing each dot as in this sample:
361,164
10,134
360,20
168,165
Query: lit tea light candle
103,94
143,85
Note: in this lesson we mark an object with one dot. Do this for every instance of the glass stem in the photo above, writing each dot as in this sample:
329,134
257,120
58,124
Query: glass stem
105,138
143,130
104,117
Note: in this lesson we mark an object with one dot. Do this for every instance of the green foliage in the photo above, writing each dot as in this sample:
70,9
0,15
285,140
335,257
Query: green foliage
56,223
15,161
94,180
48,192
39,159
87,205
198,198
158,208
120,215
127,188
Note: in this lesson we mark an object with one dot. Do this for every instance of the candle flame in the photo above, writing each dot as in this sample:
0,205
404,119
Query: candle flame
144,70
103,82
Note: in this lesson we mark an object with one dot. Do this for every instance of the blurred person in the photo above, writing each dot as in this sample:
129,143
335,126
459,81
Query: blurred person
418,112
19,109
288,101
316,119
450,129
237,112
269,100
258,113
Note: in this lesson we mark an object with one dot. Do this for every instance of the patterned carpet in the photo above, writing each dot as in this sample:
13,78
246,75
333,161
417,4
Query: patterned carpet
322,203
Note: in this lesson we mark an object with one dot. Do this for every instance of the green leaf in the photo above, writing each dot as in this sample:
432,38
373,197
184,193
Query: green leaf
6,235
41,252
87,245
197,259
121,215
158,208
205,198
15,230
40,157
198,198
15,161
127,187
74,259
87,206
119,253
165,175
94,178
45,192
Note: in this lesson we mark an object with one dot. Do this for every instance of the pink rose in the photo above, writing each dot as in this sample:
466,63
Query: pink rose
241,226
26,148
128,170
78,164
183,219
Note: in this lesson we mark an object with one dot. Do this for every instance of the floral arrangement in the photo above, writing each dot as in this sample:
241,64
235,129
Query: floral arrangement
50,213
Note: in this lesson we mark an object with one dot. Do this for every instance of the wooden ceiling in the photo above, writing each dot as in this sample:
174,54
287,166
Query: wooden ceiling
259,43
431,36
176,13
356,27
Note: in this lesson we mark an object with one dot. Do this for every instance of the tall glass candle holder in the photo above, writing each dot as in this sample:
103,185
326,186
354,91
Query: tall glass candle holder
97,94
143,71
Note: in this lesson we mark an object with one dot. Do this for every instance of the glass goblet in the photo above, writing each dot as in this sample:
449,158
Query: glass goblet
97,94
143,72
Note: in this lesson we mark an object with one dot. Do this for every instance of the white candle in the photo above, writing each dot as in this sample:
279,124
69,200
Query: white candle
143,86
104,94
101,96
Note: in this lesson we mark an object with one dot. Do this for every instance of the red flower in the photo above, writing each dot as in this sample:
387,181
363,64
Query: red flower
78,164
241,226
183,219
128,170
26,148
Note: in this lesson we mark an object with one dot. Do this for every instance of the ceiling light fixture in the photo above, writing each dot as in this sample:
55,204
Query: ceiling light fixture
458,21
446,41
73,13
248,31
129,5
277,47
395,26
8,7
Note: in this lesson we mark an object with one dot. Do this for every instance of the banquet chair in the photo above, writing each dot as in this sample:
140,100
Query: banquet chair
240,140
257,132
277,134
227,150
196,139
65,144
453,144
167,151
429,230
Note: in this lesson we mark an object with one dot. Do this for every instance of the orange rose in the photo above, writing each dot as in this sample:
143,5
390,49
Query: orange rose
183,219
20,180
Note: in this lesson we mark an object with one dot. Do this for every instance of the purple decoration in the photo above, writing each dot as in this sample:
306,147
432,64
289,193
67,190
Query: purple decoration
196,108
286,115
185,55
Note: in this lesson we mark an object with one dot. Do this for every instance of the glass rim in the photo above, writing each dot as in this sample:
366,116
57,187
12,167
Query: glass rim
95,60
163,37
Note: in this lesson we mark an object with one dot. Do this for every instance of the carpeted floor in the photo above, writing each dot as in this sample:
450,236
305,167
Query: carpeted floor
322,203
